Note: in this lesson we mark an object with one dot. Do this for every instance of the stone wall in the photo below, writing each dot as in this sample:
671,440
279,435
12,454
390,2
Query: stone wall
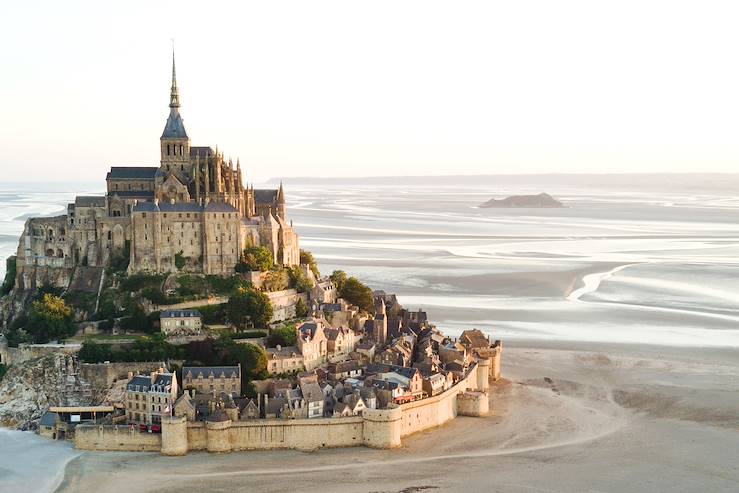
103,375
122,438
26,352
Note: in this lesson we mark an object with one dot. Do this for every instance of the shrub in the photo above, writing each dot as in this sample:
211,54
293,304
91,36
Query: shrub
119,262
277,280
179,260
301,310
338,277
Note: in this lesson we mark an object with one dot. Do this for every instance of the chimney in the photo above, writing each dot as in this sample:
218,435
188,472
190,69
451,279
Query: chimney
130,375
153,377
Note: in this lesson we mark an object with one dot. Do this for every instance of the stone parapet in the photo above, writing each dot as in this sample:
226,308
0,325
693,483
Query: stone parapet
217,436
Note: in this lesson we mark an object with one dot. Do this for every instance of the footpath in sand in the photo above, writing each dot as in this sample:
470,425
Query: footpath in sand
565,421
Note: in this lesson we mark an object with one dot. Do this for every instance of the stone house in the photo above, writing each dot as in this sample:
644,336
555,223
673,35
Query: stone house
312,344
324,291
248,409
213,379
180,322
184,406
340,371
284,360
313,396
340,342
149,397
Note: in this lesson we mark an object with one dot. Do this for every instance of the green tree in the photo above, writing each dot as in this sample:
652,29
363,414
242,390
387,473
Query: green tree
249,305
50,318
306,258
357,293
301,310
255,258
282,336
338,277
299,280
10,270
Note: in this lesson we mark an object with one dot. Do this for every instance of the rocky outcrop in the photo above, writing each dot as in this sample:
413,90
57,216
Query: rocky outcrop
29,388
542,200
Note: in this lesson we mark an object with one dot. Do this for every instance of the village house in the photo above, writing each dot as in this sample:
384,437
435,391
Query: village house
324,291
312,343
149,397
340,371
313,395
248,409
213,379
180,322
184,406
285,359
340,342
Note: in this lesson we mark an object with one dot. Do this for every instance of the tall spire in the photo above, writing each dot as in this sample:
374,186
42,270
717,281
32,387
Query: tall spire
174,97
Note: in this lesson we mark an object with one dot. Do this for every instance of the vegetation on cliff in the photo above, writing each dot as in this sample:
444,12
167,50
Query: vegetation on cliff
306,258
354,291
255,258
49,318
10,271
249,307
282,336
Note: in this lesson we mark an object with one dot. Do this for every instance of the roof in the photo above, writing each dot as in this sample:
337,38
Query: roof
142,383
383,368
343,367
179,313
283,352
220,207
265,196
201,151
474,338
167,207
89,201
218,416
175,127
48,419
148,194
214,371
138,172
311,391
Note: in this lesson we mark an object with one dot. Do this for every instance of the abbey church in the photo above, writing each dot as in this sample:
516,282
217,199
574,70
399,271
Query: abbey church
192,213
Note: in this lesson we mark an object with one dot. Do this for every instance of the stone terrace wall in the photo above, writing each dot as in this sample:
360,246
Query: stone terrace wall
26,352
102,375
120,438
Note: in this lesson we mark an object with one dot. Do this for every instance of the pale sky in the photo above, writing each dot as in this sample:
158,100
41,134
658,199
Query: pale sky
373,88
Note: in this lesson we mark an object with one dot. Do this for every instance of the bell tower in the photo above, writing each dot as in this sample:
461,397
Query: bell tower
174,143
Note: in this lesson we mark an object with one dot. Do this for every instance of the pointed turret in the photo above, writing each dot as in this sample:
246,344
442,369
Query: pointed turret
281,202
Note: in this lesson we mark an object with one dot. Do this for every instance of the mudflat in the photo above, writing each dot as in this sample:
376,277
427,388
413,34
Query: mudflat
612,418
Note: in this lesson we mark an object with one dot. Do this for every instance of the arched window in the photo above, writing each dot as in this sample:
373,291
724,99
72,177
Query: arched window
167,149
110,235
180,149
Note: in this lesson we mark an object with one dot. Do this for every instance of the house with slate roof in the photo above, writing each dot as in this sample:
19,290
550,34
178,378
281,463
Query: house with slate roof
213,379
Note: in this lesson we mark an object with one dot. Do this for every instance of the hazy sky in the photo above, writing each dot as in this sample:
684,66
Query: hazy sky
373,88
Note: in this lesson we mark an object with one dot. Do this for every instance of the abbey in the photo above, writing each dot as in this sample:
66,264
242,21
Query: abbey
191,213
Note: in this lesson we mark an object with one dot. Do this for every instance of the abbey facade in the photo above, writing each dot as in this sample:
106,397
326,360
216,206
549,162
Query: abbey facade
190,213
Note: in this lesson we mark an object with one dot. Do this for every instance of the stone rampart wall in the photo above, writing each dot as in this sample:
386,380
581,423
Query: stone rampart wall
25,352
381,428
119,438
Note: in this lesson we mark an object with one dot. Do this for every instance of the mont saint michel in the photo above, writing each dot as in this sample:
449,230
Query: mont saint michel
342,247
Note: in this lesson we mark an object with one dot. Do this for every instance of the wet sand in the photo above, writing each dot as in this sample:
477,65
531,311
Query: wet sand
602,418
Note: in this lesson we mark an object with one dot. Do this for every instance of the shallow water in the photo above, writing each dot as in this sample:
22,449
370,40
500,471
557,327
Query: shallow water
639,259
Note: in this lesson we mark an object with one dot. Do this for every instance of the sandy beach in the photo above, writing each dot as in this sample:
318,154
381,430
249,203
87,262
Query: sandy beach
602,418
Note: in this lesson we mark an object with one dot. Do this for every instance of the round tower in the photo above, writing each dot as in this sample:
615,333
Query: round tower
381,427
174,435
483,374
217,433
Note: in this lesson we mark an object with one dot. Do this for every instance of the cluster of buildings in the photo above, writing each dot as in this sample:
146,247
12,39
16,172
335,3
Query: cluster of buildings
392,358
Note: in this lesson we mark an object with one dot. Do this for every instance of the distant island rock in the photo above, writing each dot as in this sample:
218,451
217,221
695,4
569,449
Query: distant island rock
542,200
